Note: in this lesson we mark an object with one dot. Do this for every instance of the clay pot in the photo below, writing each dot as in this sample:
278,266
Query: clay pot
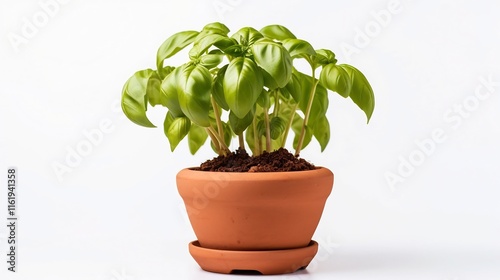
254,211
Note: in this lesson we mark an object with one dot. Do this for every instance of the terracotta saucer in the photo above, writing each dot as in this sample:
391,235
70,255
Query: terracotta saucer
253,262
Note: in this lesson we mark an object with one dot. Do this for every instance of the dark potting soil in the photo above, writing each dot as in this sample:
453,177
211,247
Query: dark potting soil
240,161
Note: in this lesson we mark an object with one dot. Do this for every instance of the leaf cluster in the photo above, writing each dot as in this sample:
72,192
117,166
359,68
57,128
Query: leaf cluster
243,85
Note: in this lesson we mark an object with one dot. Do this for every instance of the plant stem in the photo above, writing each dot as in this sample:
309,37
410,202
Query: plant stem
256,138
306,115
223,147
214,140
268,131
220,127
289,125
241,140
276,103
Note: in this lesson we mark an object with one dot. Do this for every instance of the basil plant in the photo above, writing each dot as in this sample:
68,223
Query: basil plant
243,86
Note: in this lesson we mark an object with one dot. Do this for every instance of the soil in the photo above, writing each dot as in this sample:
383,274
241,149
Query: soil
239,161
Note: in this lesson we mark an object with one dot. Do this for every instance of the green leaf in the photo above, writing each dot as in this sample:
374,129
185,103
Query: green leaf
176,129
335,78
197,136
201,45
238,125
324,57
228,133
170,93
361,91
275,60
215,28
153,91
173,45
269,81
294,87
299,48
218,89
277,127
211,60
277,32
264,100
194,84
322,132
320,101
162,73
247,36
235,50
134,98
261,128
297,128
320,104
242,85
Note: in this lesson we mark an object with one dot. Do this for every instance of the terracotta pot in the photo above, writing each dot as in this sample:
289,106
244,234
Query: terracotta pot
254,211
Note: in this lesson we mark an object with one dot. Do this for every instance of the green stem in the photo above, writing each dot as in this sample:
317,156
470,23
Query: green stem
289,125
268,131
214,140
241,141
256,138
223,147
276,103
220,127
308,112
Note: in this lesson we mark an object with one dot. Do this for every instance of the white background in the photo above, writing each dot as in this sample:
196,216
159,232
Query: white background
117,214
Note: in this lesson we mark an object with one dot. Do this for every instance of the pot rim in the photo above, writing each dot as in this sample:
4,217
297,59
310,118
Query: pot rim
193,169
254,176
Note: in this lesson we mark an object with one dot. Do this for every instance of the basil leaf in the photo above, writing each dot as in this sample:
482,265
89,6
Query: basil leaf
322,132
238,125
197,136
242,85
247,36
335,78
275,60
324,57
299,48
170,93
211,60
277,32
361,90
277,126
134,98
216,28
218,89
194,84
173,45
176,129
201,45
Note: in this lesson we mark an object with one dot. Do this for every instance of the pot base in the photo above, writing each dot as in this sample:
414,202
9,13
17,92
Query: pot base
264,262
